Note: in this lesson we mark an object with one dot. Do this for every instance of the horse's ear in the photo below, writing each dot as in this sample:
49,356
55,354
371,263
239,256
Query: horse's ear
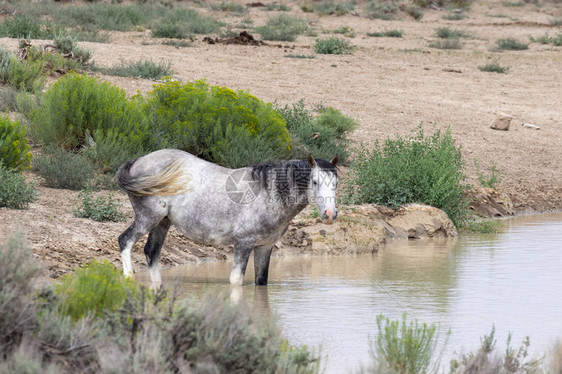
311,161
334,161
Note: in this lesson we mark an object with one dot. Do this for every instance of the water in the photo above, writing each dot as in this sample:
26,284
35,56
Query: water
511,280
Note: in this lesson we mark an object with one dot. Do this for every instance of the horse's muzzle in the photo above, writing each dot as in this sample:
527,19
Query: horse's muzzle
329,216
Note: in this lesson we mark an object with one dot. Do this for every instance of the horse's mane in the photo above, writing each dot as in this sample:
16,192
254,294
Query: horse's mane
288,175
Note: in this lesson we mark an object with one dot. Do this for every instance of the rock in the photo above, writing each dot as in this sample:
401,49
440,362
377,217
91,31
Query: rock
501,122
488,202
531,126
422,221
364,228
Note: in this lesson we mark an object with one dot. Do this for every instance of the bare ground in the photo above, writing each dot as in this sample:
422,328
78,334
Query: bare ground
388,84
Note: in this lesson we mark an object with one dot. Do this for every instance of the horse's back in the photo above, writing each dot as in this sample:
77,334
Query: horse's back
154,162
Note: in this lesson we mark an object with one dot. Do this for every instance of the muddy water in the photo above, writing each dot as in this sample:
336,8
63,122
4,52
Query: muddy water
512,280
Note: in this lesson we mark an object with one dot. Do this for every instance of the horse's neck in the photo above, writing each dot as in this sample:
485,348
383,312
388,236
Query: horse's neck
290,204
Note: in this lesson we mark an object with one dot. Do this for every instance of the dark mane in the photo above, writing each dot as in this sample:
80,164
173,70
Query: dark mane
288,175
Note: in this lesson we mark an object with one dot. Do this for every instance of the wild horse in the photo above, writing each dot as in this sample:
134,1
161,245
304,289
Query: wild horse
250,207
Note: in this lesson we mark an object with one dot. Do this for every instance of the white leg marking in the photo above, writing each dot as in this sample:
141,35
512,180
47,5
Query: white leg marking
155,272
236,277
126,260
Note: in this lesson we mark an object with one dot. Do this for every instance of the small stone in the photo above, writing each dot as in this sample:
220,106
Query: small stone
531,126
501,122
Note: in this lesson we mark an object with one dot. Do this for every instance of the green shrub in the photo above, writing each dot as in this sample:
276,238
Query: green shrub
446,44
26,102
15,153
98,209
67,45
490,180
63,169
8,96
26,26
27,361
300,56
547,39
23,76
15,192
413,169
384,10
17,269
177,43
323,136
403,347
388,33
454,16
331,7
146,69
49,62
183,22
93,289
556,21
282,27
493,67
513,3
482,361
333,45
484,227
415,11
275,6
79,111
345,30
447,33
106,16
221,338
64,340
212,121
225,6
509,44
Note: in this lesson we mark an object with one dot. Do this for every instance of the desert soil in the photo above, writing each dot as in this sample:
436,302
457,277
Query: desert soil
389,85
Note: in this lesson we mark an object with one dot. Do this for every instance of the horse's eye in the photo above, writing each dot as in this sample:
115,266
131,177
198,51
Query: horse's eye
314,183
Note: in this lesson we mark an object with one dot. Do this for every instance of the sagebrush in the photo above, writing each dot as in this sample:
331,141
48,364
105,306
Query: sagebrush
15,192
282,27
411,169
333,46
100,208
404,347
65,169
324,135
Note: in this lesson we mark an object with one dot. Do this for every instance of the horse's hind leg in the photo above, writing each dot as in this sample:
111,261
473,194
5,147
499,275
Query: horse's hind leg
153,246
130,236
262,256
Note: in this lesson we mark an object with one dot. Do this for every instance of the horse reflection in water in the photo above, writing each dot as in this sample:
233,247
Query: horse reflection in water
249,207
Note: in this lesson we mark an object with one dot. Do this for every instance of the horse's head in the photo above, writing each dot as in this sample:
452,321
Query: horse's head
323,184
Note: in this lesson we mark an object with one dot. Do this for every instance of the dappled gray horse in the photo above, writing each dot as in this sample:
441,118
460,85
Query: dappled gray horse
249,207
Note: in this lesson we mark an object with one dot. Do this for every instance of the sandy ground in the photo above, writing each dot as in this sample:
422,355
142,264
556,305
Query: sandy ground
389,85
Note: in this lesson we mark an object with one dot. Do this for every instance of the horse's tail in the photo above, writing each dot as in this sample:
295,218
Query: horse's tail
170,181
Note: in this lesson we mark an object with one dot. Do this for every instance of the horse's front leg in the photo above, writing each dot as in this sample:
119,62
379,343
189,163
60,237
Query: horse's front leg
262,256
242,253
